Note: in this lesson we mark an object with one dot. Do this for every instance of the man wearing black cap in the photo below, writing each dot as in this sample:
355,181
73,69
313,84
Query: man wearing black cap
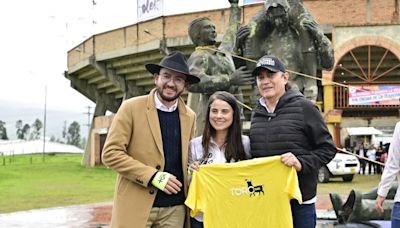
147,145
285,123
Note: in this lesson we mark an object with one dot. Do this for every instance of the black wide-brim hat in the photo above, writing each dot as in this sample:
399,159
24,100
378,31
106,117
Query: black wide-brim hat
175,61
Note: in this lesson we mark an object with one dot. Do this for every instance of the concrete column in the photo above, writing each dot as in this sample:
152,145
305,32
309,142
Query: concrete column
332,117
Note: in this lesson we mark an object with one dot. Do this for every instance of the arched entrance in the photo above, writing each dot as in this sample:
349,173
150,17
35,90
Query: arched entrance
366,65
363,61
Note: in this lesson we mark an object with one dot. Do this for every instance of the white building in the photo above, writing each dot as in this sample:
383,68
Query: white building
15,147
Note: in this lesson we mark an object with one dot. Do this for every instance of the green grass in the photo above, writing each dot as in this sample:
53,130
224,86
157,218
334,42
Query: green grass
361,183
62,181
59,181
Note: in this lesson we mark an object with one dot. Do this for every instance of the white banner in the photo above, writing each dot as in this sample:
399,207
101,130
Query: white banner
149,9
374,95
248,2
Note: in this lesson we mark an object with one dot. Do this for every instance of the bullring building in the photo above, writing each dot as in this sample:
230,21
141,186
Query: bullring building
108,67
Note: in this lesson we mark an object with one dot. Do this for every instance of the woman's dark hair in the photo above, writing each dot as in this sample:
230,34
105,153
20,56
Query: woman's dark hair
234,145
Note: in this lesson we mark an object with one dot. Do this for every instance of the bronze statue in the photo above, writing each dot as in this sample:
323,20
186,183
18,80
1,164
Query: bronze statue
216,70
360,207
287,30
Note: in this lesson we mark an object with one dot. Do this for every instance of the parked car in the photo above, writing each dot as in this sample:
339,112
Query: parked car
342,165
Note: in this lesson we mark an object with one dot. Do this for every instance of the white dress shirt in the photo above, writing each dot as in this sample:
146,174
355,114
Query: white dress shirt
162,107
392,166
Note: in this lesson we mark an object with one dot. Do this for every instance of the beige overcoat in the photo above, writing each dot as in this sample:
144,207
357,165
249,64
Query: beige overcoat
134,149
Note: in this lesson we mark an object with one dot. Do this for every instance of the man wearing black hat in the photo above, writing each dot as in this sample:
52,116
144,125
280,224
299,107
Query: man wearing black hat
285,123
148,146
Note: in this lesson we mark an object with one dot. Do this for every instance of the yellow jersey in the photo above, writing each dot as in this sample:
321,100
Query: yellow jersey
251,193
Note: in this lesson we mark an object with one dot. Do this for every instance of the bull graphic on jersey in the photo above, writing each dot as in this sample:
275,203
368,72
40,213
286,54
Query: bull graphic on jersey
254,189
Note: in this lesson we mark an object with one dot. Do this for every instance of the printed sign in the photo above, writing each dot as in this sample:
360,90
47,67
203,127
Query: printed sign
374,95
148,9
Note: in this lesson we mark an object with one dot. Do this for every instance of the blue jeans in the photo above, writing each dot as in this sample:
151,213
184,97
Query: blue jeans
195,224
396,215
304,215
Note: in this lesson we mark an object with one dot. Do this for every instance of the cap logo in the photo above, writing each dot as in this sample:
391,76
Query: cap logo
266,61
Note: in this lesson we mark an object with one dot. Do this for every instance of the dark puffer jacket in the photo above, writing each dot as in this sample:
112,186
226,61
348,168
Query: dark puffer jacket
295,126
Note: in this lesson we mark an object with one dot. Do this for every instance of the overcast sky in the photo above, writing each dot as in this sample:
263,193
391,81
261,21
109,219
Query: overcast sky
36,36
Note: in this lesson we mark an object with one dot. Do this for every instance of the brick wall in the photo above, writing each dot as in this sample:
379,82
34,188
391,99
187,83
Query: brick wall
352,12
326,12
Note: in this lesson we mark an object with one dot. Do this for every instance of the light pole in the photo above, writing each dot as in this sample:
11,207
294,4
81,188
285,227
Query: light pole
44,123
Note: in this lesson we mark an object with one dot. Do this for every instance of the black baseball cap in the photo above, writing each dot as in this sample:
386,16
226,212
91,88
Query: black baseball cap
269,62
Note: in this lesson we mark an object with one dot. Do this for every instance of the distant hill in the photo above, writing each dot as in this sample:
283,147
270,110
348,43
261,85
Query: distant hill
11,112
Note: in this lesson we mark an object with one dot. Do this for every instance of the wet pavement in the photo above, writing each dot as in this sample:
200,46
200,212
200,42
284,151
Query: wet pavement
80,216
99,216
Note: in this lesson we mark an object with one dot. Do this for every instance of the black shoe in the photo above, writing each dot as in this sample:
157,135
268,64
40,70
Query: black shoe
337,204
347,208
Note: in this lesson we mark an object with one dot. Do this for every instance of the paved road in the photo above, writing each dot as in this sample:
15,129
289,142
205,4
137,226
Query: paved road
99,215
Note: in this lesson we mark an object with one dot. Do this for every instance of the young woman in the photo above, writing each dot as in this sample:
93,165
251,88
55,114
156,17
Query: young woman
222,140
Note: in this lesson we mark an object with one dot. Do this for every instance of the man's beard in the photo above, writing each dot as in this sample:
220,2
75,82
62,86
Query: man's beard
168,99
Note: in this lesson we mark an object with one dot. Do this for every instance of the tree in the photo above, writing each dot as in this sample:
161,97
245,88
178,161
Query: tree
3,130
64,133
52,138
22,130
36,127
25,131
18,125
83,142
73,134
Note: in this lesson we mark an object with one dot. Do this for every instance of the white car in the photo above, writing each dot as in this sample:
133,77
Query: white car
342,165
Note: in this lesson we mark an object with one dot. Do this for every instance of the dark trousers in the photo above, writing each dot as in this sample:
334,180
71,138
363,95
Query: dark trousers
304,215
195,224
363,163
371,168
378,167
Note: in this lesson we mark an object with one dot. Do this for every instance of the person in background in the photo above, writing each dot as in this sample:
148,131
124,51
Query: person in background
384,157
285,123
147,146
378,155
390,173
371,154
363,162
222,140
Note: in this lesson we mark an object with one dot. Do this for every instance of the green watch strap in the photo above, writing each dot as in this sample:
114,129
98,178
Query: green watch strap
160,180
